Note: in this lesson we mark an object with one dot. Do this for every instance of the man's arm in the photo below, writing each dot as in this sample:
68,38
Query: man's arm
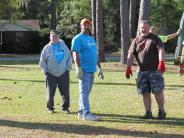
43,61
76,59
161,53
171,36
98,64
100,72
130,59
79,73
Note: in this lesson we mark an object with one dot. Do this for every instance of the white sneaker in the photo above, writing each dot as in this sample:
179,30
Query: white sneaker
80,116
91,117
50,111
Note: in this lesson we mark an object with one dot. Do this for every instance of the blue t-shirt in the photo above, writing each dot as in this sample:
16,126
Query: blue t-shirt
58,52
85,45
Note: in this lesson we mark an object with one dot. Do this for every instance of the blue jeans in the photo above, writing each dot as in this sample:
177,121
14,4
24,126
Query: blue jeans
85,86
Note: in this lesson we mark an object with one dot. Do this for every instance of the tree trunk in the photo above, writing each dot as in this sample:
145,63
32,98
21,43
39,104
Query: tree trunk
124,14
99,30
93,17
24,4
145,9
132,18
53,14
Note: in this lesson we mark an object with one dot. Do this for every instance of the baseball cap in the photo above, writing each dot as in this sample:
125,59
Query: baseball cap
55,33
85,20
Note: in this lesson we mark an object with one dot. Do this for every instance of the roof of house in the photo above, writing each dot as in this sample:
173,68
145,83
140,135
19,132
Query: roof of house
20,25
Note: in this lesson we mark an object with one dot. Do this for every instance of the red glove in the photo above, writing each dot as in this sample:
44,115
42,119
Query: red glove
161,66
128,72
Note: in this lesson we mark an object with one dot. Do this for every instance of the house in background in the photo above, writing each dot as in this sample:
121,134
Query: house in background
19,37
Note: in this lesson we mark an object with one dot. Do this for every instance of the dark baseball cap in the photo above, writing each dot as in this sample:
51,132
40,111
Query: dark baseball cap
55,33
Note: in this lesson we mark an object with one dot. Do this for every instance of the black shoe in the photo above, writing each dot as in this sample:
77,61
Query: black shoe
66,111
161,115
148,115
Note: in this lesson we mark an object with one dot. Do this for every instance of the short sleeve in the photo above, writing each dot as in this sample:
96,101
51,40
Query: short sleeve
163,38
76,44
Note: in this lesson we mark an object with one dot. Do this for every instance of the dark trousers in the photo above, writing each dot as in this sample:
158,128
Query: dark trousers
62,82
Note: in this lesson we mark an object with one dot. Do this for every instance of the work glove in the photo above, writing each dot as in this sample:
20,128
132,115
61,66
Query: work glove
179,31
79,73
161,66
128,72
100,74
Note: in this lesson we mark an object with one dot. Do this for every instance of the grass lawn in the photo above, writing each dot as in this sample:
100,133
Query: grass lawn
23,112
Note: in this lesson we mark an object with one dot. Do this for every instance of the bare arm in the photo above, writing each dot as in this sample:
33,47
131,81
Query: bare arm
161,53
130,59
98,64
76,59
171,36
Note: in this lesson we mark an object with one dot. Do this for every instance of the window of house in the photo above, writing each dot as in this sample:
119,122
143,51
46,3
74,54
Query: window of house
19,36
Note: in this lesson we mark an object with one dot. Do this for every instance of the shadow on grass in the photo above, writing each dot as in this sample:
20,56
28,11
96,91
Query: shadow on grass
16,80
16,67
18,62
42,81
83,129
137,119
169,87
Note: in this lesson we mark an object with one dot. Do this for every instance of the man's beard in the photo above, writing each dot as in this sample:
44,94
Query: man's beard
144,34
87,30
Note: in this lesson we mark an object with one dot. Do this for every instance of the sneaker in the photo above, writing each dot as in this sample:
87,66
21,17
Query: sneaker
161,115
91,117
148,115
50,111
80,116
66,111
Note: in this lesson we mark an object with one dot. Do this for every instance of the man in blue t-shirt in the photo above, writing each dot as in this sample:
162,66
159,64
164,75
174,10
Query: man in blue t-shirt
85,55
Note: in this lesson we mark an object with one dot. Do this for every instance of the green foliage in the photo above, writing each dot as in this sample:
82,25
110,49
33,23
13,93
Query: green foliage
66,23
9,9
44,32
43,37
69,15
81,9
71,12
112,25
165,16
39,9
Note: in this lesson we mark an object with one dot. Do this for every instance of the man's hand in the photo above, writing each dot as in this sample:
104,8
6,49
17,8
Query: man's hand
79,73
100,74
161,66
128,72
